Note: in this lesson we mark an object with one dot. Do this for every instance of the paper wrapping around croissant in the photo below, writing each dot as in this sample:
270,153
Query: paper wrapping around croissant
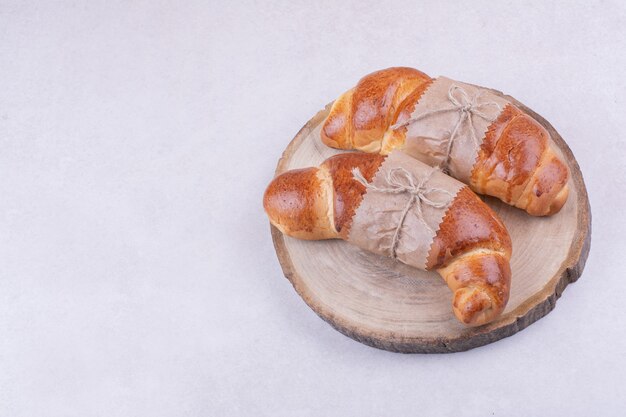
512,156
442,225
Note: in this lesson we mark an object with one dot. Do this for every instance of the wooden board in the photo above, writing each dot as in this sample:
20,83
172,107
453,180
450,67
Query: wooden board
388,305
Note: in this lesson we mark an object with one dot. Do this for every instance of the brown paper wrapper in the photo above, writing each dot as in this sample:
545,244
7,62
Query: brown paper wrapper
377,218
431,126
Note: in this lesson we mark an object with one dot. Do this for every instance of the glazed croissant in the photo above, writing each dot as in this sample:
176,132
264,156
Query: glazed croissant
470,250
515,161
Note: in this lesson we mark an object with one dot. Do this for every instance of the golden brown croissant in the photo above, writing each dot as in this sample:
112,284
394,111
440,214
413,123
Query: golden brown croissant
515,161
471,249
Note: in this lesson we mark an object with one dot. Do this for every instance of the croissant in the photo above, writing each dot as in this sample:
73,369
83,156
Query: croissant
403,108
470,248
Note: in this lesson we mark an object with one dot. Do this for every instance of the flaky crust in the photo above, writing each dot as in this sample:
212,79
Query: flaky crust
347,192
471,252
359,118
516,162
471,249
469,224
297,204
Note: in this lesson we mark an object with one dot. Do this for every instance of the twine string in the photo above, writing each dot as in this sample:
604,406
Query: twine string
400,181
467,107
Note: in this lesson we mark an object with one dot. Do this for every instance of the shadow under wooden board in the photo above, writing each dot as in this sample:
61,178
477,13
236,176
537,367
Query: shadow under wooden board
388,305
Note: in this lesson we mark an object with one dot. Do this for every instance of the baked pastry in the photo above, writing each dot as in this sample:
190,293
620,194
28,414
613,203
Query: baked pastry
476,136
399,207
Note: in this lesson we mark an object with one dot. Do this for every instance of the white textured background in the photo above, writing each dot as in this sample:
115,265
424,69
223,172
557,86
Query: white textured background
137,274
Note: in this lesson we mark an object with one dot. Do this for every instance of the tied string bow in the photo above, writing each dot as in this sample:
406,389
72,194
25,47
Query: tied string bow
400,181
467,107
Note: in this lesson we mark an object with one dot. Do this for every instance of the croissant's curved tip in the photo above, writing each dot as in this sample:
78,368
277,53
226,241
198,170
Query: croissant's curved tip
559,201
297,204
550,189
286,197
334,133
473,306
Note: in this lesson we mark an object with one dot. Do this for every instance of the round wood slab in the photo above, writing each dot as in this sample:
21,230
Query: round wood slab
386,304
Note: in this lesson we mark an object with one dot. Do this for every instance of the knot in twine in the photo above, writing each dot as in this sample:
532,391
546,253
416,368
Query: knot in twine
400,181
467,107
